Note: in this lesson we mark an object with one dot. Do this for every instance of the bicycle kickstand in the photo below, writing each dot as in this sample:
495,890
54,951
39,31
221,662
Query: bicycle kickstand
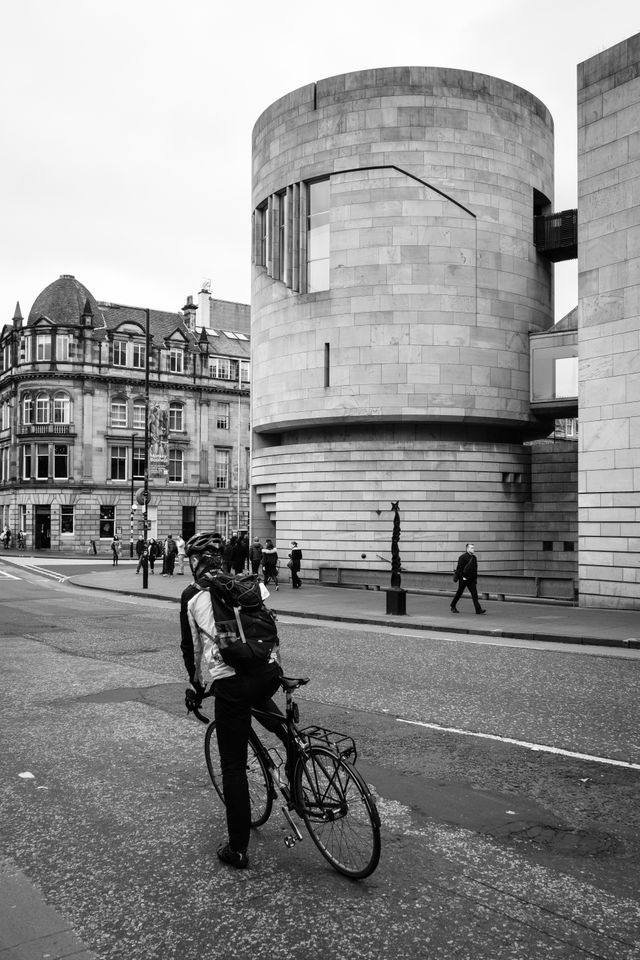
290,840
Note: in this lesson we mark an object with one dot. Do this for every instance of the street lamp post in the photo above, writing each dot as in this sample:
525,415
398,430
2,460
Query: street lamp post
133,502
145,505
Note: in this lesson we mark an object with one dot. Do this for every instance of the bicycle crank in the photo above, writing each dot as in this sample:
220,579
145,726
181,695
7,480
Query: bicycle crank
290,841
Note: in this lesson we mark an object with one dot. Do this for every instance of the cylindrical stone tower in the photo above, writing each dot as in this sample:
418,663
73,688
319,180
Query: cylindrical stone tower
395,284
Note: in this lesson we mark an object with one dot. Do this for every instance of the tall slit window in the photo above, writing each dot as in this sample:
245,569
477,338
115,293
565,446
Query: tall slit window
318,236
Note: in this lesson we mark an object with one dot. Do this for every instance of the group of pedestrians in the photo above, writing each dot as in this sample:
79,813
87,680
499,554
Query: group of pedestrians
169,551
237,555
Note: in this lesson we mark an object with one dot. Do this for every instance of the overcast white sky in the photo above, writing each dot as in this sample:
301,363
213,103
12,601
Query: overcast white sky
126,124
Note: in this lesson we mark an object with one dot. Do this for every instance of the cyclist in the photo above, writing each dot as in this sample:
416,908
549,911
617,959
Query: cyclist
234,694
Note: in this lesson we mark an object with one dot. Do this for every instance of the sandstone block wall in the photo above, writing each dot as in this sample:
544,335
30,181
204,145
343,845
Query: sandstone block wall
609,325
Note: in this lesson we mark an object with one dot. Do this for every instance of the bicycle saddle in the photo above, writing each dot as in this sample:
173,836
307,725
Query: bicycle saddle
292,683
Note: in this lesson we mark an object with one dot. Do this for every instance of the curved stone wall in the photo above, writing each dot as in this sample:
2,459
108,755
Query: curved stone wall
408,376
434,280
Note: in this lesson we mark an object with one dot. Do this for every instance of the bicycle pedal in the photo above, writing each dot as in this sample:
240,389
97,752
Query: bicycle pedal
298,835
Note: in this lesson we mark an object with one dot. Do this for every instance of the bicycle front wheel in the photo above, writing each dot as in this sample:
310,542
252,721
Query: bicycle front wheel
258,778
338,811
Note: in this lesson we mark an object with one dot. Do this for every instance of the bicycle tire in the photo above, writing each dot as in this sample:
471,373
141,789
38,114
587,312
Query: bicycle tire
338,811
258,777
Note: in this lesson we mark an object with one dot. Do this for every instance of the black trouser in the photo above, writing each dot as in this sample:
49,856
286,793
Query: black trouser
473,590
234,697
295,579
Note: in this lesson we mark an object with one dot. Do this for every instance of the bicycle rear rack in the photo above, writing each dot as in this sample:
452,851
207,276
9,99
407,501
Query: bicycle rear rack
343,745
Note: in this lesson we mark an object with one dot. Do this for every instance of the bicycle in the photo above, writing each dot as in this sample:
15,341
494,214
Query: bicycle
317,781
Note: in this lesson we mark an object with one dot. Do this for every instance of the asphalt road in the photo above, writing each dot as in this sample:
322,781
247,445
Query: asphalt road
490,849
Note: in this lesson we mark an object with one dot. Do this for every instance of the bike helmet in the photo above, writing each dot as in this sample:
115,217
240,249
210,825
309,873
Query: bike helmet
204,553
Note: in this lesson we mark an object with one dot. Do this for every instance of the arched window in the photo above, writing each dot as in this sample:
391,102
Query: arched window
119,412
43,408
176,416
27,408
61,408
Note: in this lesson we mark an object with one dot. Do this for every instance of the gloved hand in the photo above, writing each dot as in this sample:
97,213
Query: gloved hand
192,699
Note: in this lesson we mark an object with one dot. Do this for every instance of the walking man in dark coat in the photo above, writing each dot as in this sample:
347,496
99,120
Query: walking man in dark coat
467,576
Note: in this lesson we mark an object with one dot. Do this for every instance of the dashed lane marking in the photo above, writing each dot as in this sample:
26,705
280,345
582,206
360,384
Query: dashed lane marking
539,747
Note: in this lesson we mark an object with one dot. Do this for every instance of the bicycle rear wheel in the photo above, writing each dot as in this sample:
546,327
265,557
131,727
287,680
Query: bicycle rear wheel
258,777
338,811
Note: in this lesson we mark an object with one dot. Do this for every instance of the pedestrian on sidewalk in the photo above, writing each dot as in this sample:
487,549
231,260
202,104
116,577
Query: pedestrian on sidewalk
255,555
155,551
270,563
180,544
115,549
239,555
140,552
466,575
294,565
170,553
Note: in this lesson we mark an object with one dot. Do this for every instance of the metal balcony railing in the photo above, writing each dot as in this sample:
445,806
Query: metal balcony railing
556,235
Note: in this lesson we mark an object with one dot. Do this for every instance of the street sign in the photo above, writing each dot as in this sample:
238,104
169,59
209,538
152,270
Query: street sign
143,496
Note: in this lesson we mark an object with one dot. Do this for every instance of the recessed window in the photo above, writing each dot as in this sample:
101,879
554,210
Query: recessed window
26,462
220,368
65,347
61,462
118,413
138,415
245,371
66,519
222,416
42,408
176,417
43,347
118,463
176,465
138,463
107,522
222,469
569,546
547,545
61,408
222,523
27,408
138,356
176,360
119,353
318,236
42,461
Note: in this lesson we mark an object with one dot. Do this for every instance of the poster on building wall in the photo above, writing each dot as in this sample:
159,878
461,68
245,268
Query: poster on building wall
158,440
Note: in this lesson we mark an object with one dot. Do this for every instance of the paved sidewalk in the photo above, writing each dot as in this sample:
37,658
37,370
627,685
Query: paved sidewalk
525,621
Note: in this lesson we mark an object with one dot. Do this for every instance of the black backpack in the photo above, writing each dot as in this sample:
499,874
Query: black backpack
246,631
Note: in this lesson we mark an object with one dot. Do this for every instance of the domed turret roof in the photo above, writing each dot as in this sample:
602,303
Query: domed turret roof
64,301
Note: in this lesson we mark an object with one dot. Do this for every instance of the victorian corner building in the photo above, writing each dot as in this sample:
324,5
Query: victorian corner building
73,401
403,337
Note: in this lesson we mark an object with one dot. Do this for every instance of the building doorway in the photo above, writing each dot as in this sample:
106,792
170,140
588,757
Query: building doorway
43,527
188,522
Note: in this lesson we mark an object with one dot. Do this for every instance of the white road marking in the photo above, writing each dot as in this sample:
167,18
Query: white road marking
539,747
9,576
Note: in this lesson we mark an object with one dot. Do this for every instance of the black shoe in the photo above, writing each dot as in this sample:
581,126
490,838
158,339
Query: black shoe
453,610
480,611
235,858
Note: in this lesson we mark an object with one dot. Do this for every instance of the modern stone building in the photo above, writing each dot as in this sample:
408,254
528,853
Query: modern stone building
396,288
72,418
609,325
